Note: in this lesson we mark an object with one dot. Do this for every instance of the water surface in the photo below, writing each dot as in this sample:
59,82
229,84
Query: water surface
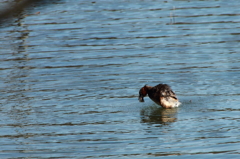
70,73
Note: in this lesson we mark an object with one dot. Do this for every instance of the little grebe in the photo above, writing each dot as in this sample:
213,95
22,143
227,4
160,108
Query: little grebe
161,94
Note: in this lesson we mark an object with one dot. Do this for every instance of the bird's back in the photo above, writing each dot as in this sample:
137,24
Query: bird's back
163,95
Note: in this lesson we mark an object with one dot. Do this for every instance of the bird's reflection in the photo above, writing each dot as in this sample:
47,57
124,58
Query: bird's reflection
158,115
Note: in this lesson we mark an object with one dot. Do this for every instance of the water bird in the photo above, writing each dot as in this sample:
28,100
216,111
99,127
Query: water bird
161,94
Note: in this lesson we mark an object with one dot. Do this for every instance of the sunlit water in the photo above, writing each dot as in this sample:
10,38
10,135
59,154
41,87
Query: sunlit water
70,77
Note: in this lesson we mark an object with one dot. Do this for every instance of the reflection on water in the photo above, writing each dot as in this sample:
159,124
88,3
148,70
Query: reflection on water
71,73
158,115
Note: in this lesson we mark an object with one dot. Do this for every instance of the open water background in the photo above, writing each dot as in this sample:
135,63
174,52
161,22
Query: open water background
70,72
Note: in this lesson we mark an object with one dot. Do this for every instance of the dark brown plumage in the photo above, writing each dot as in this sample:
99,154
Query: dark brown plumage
162,94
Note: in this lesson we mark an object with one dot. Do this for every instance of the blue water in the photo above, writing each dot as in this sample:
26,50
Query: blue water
70,72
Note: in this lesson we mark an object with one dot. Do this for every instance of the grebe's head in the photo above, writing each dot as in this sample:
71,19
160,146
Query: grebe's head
142,93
